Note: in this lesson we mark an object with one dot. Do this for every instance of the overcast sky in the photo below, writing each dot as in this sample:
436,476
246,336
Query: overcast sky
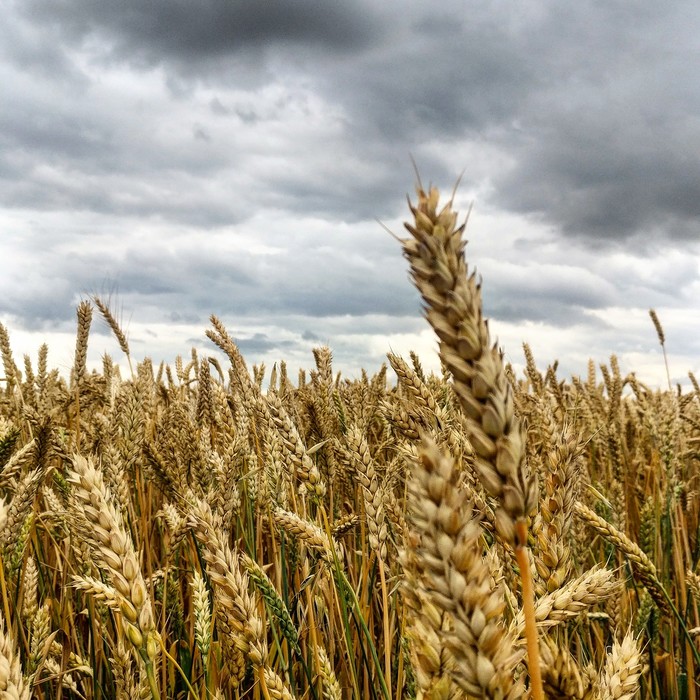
190,157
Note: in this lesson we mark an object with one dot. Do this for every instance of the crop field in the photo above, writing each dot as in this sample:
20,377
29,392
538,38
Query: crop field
209,530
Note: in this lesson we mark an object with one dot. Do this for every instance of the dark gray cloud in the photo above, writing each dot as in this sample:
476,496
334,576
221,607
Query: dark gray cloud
308,335
592,103
251,345
190,34
260,343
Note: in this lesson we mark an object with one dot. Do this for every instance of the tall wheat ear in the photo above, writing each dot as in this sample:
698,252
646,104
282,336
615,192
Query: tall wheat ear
453,307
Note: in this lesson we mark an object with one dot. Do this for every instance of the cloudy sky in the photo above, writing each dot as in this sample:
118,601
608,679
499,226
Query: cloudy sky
235,157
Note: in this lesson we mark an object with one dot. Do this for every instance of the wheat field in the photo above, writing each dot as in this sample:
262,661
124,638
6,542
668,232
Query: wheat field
209,530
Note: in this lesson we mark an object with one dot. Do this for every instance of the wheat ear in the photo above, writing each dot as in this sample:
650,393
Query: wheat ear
641,563
562,677
620,677
238,615
448,564
331,687
453,308
571,599
12,683
99,520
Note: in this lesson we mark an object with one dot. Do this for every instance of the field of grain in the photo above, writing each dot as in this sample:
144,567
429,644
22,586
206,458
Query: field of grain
210,531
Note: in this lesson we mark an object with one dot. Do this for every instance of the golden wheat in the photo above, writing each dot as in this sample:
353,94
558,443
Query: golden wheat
204,530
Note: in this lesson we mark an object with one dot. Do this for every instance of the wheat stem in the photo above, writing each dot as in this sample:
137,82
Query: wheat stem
531,634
